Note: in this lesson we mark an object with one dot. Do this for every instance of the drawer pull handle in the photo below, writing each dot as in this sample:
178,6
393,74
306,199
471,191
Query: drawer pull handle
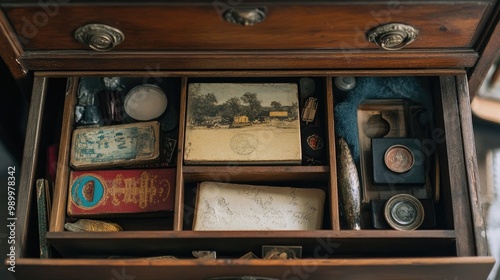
245,16
99,37
392,36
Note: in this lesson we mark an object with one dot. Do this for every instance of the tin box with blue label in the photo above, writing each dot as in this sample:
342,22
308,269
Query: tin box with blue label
115,146
115,192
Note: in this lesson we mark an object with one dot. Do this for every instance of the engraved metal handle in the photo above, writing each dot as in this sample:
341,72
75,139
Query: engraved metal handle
99,37
245,16
392,36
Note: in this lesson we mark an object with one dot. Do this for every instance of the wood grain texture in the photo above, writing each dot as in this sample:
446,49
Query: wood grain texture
247,60
369,269
233,173
298,39
10,52
27,179
462,216
489,48
60,196
179,206
255,73
366,242
190,40
471,165
340,25
444,192
330,130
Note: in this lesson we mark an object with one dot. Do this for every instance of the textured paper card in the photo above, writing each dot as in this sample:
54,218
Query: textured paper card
243,124
224,206
113,192
117,145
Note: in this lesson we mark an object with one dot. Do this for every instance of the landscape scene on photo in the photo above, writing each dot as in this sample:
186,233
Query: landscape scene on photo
228,122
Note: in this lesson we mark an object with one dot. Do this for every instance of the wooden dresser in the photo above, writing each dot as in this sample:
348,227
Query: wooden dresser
450,45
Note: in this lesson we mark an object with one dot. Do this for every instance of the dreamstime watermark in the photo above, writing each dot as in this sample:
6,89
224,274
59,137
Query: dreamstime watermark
31,25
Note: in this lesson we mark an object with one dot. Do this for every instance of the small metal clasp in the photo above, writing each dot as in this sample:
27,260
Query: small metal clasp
392,36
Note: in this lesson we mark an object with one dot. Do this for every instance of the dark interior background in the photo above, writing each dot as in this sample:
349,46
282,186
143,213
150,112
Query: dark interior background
13,117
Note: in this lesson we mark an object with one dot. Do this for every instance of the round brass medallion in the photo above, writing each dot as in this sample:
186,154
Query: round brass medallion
399,158
404,212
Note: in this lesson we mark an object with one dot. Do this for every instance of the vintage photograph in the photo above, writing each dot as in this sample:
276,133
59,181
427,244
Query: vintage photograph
242,123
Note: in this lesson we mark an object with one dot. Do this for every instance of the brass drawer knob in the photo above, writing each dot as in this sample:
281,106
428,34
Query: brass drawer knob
392,36
245,16
99,37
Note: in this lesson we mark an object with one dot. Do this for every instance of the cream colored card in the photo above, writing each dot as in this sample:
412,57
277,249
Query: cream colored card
225,206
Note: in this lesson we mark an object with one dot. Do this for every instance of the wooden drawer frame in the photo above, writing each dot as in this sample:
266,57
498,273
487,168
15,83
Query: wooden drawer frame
371,269
320,25
477,56
466,236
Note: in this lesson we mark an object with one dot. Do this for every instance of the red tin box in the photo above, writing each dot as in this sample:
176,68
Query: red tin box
115,192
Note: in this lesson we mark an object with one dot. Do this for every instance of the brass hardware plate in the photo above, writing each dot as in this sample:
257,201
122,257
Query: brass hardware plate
99,37
392,36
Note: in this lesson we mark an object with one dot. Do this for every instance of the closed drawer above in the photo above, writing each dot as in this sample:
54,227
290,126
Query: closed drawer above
298,34
408,59
285,26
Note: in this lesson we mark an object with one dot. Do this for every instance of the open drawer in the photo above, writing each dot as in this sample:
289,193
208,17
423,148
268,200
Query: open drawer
450,244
